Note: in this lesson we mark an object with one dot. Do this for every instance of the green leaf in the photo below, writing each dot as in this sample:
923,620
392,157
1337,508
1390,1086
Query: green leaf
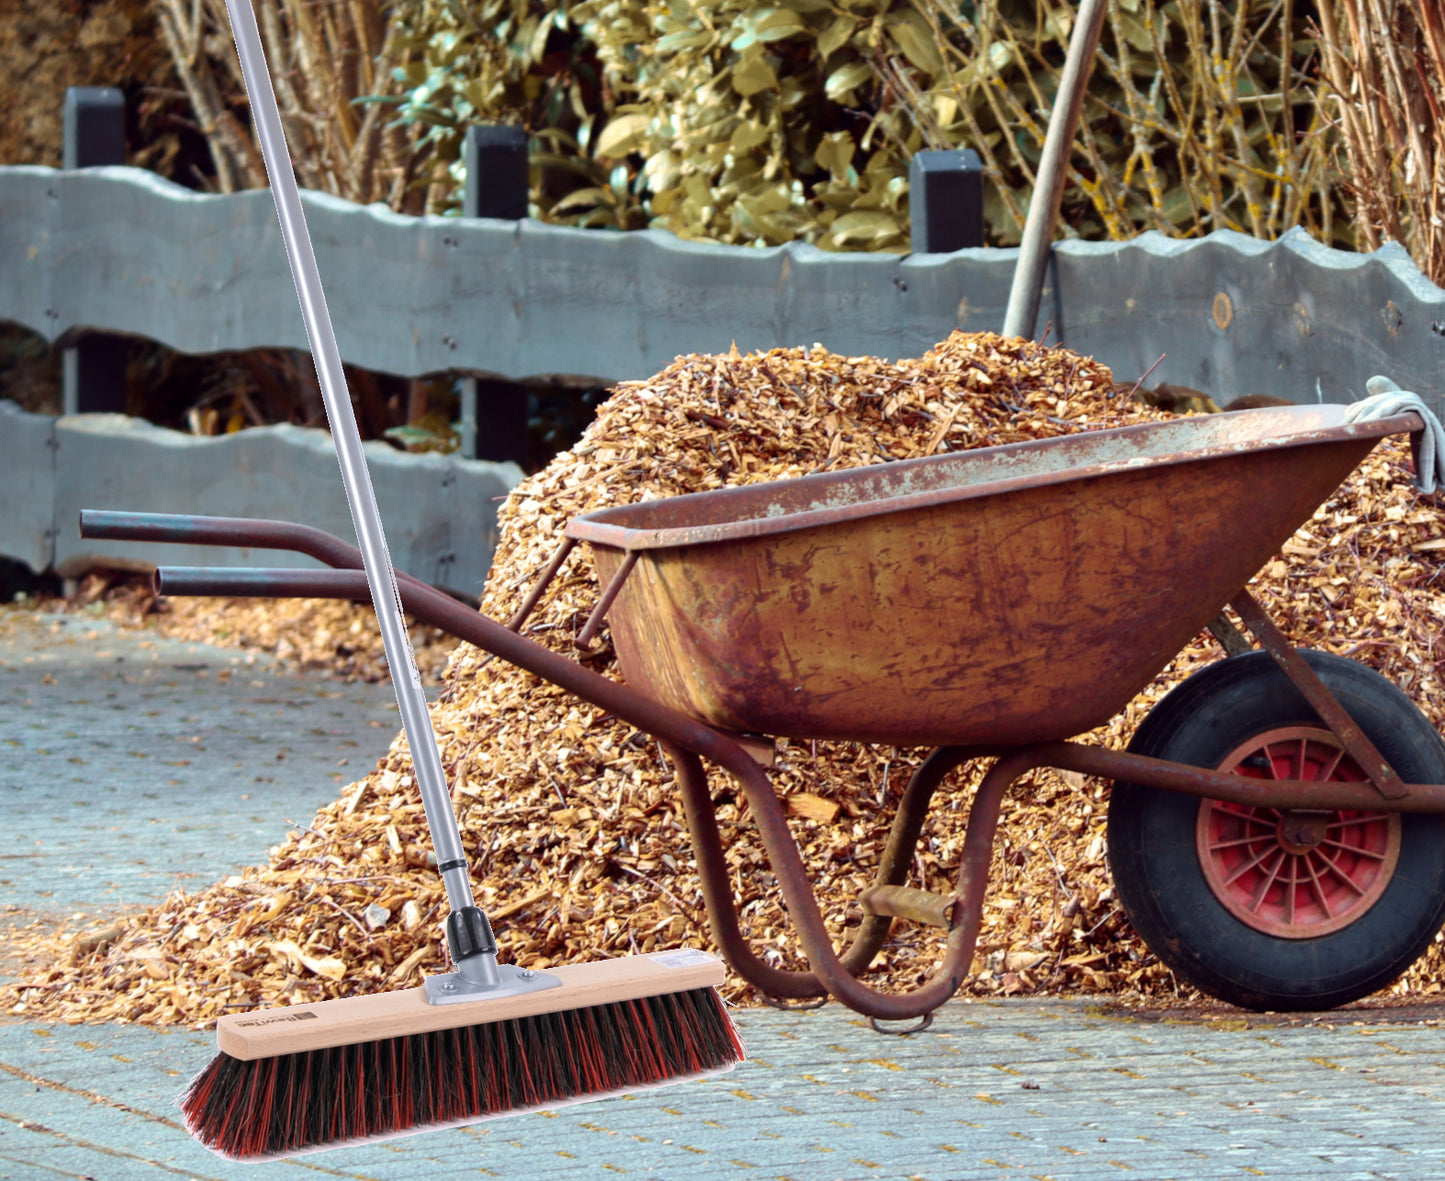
683,39
910,32
585,199
835,153
747,136
752,73
621,135
836,35
777,24
766,24
421,438
1136,32
864,228
538,44
843,81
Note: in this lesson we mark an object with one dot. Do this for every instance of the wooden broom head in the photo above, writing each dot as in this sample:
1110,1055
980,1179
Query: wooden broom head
369,1068
266,1033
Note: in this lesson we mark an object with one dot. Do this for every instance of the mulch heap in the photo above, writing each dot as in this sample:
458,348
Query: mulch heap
578,846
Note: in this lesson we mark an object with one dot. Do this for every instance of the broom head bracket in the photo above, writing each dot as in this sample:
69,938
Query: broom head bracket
453,988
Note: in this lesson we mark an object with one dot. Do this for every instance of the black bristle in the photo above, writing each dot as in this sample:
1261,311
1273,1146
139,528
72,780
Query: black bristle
276,1106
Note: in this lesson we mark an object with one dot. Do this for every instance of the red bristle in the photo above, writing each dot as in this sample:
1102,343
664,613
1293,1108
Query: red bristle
450,1062
358,1098
401,1072
247,1116
590,1064
278,1106
340,1089
264,1098
301,1113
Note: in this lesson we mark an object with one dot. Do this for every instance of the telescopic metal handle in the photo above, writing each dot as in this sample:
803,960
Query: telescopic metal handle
1028,282
380,576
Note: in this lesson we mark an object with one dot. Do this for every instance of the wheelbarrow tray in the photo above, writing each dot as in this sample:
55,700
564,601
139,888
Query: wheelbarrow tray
1001,596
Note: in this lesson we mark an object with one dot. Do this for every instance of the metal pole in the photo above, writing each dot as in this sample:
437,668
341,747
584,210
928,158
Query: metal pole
365,518
1028,284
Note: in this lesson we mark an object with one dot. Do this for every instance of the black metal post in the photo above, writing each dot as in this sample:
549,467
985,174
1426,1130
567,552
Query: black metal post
497,186
945,199
93,369
496,163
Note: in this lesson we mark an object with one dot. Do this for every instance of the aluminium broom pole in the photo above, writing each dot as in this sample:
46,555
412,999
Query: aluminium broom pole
1022,314
477,969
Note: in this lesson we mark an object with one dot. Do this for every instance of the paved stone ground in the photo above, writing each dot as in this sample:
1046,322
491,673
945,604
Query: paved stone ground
1016,1089
130,763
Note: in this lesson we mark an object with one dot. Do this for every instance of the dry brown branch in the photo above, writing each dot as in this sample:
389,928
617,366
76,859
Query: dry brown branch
1194,119
322,59
1385,65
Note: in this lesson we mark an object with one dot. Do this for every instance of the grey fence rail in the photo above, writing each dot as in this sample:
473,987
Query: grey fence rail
120,250
126,251
440,511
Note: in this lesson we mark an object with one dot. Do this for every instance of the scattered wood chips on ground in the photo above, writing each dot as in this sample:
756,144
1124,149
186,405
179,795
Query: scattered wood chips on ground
316,635
578,845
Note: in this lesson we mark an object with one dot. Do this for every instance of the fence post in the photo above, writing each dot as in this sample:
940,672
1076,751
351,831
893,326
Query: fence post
93,370
497,186
945,201
496,163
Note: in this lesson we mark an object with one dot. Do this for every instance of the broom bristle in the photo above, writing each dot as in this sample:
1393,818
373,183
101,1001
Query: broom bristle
292,1102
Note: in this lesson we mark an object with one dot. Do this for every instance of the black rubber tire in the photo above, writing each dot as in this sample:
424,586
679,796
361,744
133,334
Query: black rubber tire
1156,865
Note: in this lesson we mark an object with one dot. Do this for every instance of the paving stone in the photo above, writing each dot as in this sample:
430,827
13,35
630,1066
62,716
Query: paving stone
821,1099
134,764
1061,1090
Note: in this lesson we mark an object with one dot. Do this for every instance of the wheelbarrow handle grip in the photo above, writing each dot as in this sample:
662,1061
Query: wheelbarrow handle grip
262,582
238,532
246,532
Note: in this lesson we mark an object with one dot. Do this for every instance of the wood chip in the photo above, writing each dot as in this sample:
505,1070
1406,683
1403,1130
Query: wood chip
328,966
812,807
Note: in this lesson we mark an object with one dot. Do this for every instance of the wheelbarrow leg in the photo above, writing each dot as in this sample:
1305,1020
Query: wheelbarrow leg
903,837
717,891
717,895
829,971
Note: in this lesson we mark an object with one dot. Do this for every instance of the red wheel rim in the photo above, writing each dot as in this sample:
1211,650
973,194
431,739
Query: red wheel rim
1295,874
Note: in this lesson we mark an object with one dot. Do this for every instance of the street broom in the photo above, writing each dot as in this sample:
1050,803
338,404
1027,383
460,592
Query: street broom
485,1039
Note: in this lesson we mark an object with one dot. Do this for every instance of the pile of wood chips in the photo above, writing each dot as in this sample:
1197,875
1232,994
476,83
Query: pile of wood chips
578,845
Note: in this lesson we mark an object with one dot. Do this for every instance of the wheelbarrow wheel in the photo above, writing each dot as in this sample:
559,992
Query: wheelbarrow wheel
1264,908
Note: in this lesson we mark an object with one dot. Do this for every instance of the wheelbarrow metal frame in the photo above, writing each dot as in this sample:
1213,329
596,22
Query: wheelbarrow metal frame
687,742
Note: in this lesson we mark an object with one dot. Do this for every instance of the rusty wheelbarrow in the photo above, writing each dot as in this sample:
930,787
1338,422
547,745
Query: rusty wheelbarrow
1275,828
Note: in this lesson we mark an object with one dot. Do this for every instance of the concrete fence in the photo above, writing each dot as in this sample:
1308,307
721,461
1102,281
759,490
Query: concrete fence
118,250
123,250
440,512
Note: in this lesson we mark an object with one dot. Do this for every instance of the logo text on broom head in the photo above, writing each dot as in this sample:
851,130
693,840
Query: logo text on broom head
300,1015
